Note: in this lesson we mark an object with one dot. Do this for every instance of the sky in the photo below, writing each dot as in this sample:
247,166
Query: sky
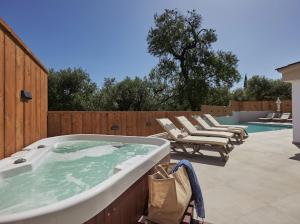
108,38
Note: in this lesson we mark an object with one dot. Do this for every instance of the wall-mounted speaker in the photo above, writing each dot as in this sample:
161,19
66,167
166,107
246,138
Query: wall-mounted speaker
26,95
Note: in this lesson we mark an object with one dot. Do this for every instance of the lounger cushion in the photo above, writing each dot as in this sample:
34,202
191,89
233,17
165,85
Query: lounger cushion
207,127
213,134
217,124
205,140
279,119
192,130
283,117
232,126
231,130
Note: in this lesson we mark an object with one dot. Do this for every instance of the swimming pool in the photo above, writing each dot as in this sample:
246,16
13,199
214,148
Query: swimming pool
259,127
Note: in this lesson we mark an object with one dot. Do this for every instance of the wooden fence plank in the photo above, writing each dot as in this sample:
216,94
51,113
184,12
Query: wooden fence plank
38,103
95,127
27,113
43,111
54,124
66,123
103,122
46,101
140,123
10,98
19,103
131,125
33,101
77,123
2,81
115,123
123,122
87,122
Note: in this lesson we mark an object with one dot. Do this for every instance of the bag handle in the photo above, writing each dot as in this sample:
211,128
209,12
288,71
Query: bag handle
163,172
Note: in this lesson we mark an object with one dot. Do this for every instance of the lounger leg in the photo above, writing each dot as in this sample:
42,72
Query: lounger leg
229,146
196,148
223,151
223,156
175,145
236,139
174,148
239,138
182,146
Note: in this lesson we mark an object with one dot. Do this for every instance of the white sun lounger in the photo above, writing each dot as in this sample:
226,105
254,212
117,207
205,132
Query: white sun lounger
215,123
192,130
205,126
283,117
269,117
197,143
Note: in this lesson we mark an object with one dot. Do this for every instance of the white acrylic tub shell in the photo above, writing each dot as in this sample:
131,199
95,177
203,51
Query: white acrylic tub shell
81,207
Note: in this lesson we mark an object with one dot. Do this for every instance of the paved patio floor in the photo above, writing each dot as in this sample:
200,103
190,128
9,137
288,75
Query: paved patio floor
260,183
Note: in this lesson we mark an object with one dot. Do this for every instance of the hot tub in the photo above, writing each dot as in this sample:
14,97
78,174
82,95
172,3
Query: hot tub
72,178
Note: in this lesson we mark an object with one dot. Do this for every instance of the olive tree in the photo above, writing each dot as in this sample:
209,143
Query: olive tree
187,61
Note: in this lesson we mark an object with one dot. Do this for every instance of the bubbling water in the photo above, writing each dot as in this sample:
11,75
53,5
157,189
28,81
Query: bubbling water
71,168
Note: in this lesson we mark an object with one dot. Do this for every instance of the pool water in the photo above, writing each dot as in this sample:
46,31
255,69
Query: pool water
69,169
253,128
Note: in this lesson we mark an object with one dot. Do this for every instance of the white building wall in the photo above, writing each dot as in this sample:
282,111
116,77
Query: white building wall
296,111
245,116
242,116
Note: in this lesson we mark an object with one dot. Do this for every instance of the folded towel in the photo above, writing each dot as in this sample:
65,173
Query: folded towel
196,190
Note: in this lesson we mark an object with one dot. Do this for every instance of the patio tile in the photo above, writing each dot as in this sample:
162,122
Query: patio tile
258,184
289,205
266,215
228,204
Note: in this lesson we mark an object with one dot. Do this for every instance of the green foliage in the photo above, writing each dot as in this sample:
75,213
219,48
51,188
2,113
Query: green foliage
129,94
163,91
187,61
245,82
262,88
70,89
238,94
218,96
105,97
281,89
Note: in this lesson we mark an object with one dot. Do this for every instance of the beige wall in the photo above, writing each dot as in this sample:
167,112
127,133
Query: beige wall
296,111
291,73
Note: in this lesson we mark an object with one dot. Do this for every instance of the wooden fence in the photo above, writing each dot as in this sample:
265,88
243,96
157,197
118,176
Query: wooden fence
216,110
286,106
139,123
21,123
112,122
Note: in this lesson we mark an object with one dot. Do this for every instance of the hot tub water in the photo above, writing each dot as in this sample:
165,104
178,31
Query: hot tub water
69,168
